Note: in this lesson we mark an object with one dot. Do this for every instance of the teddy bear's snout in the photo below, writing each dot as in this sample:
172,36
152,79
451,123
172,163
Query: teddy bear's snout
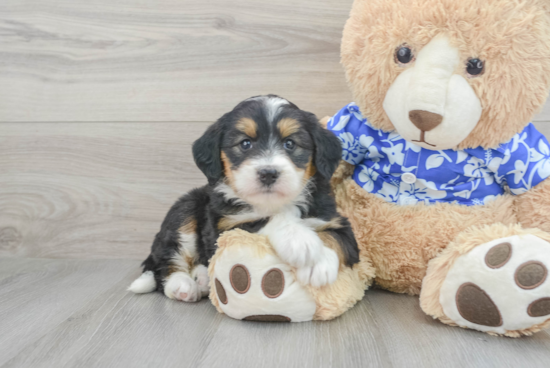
425,120
431,103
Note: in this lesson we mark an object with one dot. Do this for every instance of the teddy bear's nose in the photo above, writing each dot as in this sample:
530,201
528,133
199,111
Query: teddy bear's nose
425,120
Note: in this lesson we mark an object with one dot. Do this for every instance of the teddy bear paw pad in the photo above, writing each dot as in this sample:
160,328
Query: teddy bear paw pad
260,289
500,286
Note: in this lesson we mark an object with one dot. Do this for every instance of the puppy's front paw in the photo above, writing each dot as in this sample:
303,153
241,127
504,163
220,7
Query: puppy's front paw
181,286
323,272
200,274
301,250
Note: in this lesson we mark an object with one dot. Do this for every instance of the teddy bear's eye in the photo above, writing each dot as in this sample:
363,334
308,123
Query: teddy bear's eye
475,67
404,54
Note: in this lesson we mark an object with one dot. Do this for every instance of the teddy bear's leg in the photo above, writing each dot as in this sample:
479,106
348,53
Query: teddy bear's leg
492,279
533,207
250,282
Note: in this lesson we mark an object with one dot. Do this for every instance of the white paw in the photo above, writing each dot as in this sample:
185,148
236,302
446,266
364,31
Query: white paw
200,274
299,246
181,286
323,272
295,242
301,251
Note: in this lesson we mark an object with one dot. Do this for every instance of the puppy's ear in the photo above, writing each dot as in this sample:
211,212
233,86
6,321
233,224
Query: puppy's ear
328,149
207,152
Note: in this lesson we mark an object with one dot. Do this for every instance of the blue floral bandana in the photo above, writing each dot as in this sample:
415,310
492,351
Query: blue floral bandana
403,173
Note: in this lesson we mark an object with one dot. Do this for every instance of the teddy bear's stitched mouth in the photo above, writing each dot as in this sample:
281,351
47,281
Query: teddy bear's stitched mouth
423,140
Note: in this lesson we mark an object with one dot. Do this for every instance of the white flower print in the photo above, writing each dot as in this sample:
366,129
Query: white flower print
395,154
352,152
389,192
368,176
542,158
368,143
422,190
517,140
475,168
342,122
434,161
519,171
473,176
461,156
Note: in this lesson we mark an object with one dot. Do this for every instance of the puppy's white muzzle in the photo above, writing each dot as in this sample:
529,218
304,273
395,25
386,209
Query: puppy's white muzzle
428,104
282,190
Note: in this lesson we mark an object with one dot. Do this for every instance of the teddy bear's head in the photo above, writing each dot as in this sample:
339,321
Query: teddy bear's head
448,74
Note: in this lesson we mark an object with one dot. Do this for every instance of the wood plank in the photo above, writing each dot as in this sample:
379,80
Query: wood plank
352,340
91,190
414,339
167,60
147,330
114,327
39,295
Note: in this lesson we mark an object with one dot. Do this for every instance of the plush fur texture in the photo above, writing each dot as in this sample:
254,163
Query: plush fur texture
533,208
331,300
510,36
465,242
400,240
412,248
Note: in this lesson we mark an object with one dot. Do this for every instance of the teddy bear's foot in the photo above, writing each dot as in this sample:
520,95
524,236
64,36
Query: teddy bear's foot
255,287
500,287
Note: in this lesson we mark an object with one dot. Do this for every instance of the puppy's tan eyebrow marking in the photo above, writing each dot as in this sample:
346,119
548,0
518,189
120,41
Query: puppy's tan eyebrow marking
288,126
248,127
227,169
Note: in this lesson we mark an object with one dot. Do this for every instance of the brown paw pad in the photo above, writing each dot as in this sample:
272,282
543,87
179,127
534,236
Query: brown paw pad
267,318
498,255
530,275
222,296
273,283
539,308
476,306
240,278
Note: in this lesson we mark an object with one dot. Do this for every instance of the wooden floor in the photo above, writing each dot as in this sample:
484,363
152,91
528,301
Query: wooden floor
77,313
100,102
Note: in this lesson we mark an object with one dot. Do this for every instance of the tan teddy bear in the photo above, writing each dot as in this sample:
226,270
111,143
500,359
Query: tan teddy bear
445,182
443,178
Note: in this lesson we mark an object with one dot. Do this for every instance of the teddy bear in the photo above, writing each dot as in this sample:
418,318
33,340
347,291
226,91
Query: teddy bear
443,177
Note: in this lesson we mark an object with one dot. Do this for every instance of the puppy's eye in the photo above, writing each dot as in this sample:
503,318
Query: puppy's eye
246,144
475,67
404,55
289,144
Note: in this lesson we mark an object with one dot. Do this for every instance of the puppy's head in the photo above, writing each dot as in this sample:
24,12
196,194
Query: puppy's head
267,150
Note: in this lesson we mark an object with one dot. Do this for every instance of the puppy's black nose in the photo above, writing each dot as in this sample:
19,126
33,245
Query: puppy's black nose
268,176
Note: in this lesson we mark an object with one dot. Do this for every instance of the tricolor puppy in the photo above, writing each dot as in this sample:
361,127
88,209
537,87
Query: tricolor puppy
268,165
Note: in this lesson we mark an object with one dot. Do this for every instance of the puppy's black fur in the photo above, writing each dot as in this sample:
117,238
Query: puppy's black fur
206,206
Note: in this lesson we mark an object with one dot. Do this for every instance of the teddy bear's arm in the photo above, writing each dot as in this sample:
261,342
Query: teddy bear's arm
533,207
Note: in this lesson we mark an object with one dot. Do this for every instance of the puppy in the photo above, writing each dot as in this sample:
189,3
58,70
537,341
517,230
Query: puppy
268,166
